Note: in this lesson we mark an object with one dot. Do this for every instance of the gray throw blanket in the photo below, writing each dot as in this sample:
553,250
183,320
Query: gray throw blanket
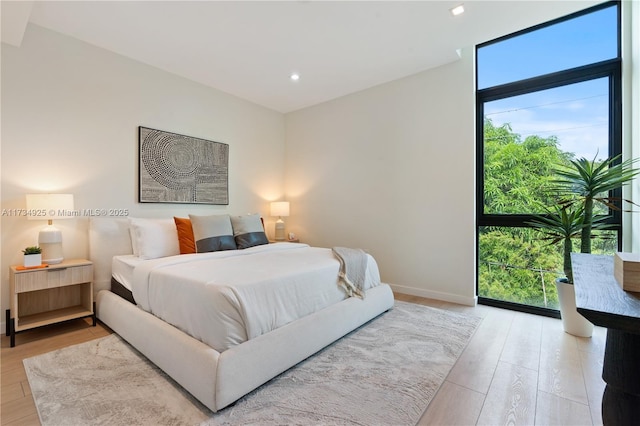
353,268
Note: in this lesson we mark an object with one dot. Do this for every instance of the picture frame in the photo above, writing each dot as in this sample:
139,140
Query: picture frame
175,168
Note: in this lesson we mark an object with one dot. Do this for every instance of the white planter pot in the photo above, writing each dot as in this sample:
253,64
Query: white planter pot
572,321
32,260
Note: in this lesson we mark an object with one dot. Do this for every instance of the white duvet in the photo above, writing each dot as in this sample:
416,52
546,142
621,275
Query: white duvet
225,298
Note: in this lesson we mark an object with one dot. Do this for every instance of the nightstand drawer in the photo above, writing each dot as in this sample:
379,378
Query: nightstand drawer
51,278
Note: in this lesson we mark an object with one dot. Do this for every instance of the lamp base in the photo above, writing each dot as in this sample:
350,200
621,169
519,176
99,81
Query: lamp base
50,241
279,230
51,253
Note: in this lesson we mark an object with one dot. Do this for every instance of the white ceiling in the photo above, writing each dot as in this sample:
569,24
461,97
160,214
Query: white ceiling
249,49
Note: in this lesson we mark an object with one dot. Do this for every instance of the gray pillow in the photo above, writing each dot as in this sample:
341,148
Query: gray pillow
212,233
248,231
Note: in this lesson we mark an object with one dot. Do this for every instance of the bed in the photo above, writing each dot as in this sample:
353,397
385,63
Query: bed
250,344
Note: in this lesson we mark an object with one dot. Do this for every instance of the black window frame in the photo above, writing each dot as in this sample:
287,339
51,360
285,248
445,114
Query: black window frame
611,69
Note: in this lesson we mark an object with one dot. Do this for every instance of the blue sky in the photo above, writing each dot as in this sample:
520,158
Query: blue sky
577,114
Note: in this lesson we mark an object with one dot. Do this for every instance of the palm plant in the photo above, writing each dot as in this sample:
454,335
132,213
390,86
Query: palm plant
561,225
589,182
580,186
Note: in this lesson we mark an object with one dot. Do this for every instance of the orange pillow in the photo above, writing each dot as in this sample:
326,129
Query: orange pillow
185,235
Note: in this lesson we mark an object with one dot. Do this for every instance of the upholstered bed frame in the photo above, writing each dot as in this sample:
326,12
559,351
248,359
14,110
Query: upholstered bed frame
215,378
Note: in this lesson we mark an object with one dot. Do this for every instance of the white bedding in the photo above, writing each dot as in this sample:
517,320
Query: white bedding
225,298
122,269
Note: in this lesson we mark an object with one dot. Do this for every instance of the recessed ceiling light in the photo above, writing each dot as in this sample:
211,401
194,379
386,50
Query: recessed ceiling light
457,10
295,76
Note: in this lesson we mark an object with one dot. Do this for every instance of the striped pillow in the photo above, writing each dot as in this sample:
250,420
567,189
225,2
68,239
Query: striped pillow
212,233
248,231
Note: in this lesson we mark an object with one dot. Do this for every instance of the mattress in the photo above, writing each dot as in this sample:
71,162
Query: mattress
226,298
122,269
122,291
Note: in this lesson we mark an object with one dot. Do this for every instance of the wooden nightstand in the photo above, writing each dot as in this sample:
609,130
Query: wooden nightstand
49,295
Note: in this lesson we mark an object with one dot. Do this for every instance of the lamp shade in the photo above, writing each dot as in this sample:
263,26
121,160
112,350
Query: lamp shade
49,206
280,208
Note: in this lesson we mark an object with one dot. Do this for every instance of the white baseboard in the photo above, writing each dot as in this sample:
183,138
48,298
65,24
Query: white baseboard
430,294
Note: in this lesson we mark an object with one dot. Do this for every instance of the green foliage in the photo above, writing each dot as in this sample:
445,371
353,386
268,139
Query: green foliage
516,266
515,263
32,250
518,174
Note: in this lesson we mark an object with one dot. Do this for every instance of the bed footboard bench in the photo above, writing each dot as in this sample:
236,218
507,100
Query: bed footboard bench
219,379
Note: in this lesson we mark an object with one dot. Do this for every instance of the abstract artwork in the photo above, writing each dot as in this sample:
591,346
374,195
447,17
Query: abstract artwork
182,169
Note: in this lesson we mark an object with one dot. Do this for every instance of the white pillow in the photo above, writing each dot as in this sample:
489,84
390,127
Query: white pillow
134,240
154,238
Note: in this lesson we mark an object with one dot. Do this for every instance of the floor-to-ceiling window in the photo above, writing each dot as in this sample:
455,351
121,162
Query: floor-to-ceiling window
545,95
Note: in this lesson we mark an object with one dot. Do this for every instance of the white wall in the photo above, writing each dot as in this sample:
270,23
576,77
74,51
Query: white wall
391,170
70,117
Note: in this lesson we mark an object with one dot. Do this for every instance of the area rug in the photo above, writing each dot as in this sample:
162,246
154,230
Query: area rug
384,373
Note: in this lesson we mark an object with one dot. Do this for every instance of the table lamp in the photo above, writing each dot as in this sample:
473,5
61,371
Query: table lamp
49,207
280,209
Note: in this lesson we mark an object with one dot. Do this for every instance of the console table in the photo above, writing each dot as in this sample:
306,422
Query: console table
601,300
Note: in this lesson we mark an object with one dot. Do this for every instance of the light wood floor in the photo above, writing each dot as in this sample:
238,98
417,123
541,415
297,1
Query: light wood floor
518,369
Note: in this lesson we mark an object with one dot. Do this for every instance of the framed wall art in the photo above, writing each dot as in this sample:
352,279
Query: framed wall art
182,169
